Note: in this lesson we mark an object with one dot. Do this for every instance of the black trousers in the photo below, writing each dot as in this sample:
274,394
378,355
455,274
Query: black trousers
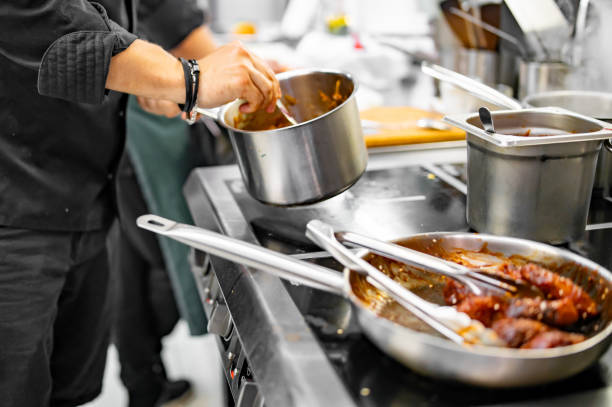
144,307
54,318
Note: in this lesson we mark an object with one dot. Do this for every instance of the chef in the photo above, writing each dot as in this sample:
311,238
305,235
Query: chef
65,67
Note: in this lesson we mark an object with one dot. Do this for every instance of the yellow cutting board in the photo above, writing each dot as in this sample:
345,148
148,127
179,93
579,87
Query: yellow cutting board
408,134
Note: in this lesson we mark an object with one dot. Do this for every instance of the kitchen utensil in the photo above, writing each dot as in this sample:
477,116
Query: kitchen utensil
537,185
321,156
494,30
281,107
481,64
469,34
537,77
461,28
544,27
472,279
485,118
470,85
423,352
445,320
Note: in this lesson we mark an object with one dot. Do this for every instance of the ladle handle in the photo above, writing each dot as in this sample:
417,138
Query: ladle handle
251,255
471,86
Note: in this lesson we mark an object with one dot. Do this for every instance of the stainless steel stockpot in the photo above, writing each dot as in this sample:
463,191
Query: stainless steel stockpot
535,187
588,103
308,162
421,351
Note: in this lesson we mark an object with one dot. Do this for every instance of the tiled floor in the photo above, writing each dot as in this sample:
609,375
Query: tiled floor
193,358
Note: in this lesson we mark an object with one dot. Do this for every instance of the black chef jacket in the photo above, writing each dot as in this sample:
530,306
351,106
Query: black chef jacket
61,132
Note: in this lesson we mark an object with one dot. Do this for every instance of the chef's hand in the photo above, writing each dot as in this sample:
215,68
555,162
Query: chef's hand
232,72
159,107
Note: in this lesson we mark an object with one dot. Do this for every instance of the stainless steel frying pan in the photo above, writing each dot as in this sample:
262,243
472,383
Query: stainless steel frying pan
423,352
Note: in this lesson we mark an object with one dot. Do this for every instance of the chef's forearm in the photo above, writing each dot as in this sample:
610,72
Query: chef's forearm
196,45
145,69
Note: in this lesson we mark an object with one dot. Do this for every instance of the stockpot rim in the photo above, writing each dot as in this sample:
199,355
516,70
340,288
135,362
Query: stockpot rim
505,140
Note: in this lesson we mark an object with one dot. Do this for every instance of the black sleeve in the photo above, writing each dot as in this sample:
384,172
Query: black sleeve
69,43
168,22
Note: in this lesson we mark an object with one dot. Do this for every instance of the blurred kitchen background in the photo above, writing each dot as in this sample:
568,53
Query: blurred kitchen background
518,46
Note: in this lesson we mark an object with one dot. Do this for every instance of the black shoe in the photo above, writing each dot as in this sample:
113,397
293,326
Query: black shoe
177,390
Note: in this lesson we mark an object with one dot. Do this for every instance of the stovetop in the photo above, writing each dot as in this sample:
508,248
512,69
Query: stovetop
388,202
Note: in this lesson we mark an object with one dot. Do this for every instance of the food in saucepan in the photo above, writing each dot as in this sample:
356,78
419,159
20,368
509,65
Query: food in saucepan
262,120
550,310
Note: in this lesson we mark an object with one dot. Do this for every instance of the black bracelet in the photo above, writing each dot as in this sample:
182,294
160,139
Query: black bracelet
188,84
195,79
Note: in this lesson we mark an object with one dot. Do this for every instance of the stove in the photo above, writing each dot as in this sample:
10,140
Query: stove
284,344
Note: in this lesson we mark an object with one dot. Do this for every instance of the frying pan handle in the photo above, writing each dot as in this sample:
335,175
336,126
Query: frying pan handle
608,144
251,255
471,86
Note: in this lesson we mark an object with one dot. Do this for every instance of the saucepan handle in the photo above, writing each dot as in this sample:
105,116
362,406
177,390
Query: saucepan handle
210,113
251,255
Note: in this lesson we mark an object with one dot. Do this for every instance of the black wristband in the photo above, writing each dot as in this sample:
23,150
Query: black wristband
195,78
188,85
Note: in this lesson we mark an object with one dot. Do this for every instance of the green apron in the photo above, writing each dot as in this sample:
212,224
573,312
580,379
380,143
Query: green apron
162,158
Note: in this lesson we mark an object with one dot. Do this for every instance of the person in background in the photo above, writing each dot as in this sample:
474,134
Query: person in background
65,67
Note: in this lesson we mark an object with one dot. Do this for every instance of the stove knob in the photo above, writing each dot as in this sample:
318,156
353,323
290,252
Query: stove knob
220,322
248,395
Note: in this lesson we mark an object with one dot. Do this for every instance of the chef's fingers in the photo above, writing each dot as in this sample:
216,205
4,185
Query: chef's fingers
266,87
276,66
265,69
275,86
253,96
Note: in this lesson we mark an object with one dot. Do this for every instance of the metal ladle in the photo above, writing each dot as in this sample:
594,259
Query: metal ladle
486,119
281,107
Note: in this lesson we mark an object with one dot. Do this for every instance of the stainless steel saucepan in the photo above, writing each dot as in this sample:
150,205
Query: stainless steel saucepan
321,156
419,348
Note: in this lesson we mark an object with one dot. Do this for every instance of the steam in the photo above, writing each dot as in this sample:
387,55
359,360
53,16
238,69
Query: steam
597,63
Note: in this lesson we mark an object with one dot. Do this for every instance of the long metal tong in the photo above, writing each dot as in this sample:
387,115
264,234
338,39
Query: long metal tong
472,279
446,320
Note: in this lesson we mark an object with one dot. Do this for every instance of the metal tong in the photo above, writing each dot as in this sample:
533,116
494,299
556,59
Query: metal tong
446,320
472,279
